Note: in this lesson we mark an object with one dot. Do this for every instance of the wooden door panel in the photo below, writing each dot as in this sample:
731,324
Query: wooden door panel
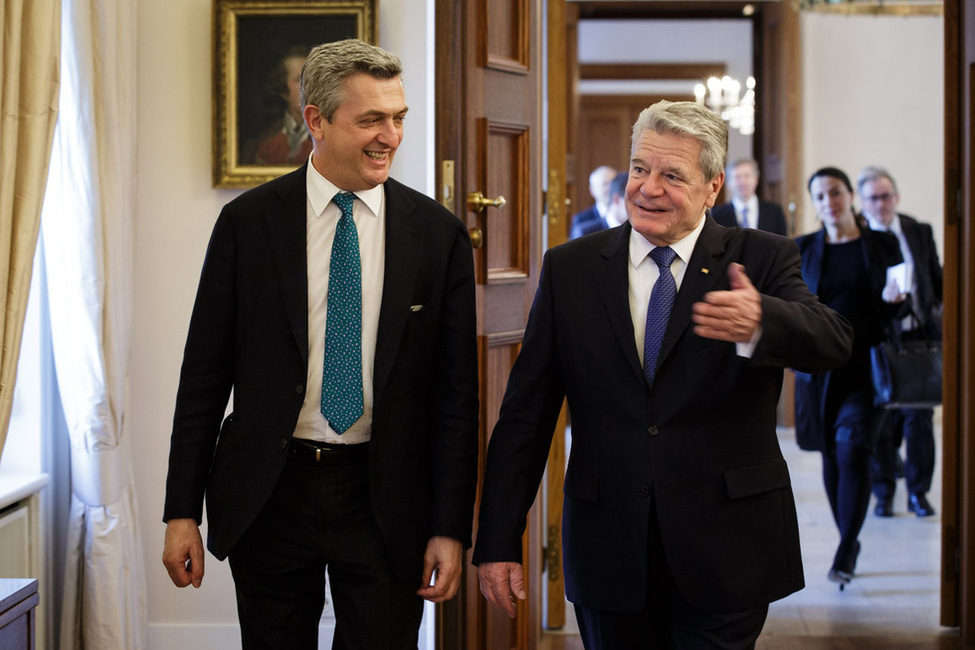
507,173
507,32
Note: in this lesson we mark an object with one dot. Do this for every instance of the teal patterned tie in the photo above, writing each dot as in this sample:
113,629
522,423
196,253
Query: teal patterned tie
342,372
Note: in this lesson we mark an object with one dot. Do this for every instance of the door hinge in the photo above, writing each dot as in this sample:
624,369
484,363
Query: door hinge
552,554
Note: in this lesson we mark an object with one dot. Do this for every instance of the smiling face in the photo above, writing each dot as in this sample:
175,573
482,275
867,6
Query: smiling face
667,193
355,149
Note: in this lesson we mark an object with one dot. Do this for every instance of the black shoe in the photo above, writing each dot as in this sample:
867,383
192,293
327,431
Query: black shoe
844,576
884,508
918,504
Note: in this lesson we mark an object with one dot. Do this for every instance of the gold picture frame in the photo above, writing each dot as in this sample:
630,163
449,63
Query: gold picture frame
257,45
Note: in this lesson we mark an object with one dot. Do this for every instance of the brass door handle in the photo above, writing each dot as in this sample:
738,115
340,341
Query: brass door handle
477,237
477,202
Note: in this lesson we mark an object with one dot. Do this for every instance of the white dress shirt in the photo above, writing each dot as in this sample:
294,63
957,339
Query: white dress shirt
643,273
907,277
752,205
369,214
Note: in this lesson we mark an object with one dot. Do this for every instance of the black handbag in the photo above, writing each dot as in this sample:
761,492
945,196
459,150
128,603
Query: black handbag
906,374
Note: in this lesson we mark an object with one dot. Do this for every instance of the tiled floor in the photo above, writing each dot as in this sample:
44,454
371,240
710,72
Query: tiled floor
896,593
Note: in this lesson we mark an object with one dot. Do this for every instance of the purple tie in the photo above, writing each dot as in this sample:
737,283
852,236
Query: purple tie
658,313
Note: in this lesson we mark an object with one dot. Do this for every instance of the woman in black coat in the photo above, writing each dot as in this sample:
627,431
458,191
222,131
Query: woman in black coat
845,264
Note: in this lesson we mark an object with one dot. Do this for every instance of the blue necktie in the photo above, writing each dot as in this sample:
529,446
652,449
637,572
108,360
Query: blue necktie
744,217
342,372
658,313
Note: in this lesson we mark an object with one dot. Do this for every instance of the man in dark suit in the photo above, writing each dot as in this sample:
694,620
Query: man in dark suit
593,219
922,281
332,280
679,522
745,209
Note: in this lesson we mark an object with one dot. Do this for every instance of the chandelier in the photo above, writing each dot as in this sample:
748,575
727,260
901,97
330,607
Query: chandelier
873,7
724,97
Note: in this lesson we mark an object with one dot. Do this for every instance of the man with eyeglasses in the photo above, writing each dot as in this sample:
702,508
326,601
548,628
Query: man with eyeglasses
922,280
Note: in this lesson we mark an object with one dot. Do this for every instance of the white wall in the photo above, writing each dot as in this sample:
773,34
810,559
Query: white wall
873,94
177,207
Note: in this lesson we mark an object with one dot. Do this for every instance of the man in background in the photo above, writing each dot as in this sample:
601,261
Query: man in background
746,210
921,279
593,219
616,212
338,306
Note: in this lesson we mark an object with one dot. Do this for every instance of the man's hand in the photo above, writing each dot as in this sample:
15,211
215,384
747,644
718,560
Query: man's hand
442,563
183,552
501,583
734,315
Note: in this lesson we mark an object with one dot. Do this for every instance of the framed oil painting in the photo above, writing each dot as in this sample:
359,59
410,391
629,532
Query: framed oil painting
258,49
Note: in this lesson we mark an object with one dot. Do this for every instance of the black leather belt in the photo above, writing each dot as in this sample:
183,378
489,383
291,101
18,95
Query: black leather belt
317,452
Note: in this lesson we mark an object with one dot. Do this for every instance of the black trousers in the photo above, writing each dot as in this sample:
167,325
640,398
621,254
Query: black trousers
915,428
320,518
667,622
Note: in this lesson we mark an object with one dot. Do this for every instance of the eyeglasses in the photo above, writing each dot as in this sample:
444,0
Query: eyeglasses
879,198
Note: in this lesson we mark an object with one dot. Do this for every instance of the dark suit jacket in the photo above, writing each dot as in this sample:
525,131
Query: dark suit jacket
927,269
249,333
702,442
812,390
770,217
587,221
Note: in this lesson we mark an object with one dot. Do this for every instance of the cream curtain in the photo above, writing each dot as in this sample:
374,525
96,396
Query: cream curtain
28,112
87,231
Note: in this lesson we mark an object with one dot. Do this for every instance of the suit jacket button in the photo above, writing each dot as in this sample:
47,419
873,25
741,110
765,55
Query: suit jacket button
645,490
652,430
284,443
300,389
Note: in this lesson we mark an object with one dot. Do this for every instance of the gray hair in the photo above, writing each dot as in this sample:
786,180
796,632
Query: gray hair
329,65
688,119
874,173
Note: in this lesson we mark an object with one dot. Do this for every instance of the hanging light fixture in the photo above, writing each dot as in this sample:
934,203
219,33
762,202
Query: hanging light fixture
873,7
724,97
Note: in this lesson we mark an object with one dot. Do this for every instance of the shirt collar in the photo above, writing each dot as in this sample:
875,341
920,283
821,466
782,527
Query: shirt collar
894,227
321,190
751,204
640,247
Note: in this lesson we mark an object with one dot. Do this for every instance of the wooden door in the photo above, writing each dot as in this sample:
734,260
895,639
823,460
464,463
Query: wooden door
489,145
958,412
778,140
558,220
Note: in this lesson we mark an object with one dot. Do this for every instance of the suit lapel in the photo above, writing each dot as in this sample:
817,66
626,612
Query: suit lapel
876,271
611,282
812,264
704,270
403,253
285,219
